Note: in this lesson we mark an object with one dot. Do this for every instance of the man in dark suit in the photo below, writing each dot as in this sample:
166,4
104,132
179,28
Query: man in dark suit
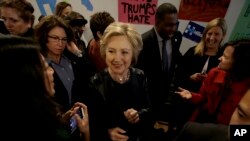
151,59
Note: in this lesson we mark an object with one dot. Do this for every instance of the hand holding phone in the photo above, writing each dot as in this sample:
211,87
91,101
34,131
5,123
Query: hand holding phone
73,122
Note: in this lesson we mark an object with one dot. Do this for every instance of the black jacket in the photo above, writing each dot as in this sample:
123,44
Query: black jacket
82,72
111,99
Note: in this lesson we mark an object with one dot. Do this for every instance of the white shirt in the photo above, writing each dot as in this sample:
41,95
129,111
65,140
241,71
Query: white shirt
168,47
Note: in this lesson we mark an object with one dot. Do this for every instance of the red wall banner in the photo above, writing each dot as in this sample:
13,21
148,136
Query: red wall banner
203,10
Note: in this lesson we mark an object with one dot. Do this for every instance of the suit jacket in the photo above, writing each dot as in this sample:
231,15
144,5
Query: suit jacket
82,73
150,62
107,100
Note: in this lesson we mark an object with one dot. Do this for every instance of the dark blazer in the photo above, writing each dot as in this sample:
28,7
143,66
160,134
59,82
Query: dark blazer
82,73
150,62
108,100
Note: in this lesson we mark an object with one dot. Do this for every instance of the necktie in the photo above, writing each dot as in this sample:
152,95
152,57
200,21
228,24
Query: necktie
164,56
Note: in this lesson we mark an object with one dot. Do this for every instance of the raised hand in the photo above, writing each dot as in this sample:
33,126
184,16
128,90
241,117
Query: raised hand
184,93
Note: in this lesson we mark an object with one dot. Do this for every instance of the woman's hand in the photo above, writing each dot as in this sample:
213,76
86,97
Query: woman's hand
117,134
184,93
74,49
82,123
132,115
198,77
67,115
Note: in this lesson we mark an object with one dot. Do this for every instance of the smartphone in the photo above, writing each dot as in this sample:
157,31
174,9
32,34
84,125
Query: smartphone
73,122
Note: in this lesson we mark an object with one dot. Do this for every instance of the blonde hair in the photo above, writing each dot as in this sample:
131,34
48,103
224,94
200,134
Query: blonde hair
217,22
122,29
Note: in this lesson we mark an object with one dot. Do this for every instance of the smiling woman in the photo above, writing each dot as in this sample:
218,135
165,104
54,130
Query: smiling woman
27,84
122,89
22,77
200,59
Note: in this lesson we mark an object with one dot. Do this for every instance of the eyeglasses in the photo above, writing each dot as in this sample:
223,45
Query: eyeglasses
58,39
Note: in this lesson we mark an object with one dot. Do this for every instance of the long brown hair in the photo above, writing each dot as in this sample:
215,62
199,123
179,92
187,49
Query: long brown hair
60,6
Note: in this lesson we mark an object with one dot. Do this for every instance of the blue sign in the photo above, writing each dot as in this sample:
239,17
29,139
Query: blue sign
88,5
52,4
193,31
40,3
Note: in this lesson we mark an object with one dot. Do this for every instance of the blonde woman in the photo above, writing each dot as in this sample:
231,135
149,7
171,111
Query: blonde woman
198,60
121,88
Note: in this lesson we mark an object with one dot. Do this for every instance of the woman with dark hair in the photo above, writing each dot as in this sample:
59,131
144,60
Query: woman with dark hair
27,82
122,89
224,86
18,17
63,9
217,132
77,22
71,73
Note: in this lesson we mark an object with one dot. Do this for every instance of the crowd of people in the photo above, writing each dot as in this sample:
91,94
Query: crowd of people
129,86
